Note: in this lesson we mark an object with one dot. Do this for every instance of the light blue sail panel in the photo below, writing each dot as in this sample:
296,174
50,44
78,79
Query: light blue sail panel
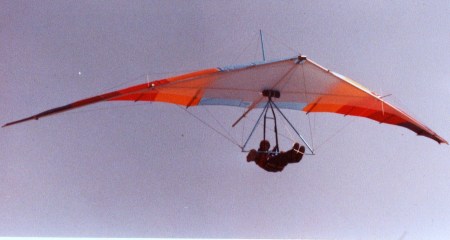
291,105
238,103
224,102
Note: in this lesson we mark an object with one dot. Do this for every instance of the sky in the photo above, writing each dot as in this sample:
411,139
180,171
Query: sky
154,170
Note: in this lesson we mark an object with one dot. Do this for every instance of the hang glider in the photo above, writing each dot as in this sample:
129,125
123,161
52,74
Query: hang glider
299,83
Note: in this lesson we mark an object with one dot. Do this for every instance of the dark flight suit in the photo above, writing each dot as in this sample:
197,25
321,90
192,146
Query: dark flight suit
277,162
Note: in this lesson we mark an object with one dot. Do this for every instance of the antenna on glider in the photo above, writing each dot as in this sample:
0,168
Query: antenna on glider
262,45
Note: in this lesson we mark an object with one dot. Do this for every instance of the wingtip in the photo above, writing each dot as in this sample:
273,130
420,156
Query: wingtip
19,121
440,139
8,124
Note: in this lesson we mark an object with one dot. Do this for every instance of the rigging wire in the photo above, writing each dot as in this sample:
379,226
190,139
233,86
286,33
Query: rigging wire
227,137
282,43
271,129
346,125
256,51
334,134
291,136
210,127
307,100
219,123
310,131
243,130
246,47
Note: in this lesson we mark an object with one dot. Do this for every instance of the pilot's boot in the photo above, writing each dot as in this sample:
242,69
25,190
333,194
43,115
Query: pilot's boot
251,156
296,153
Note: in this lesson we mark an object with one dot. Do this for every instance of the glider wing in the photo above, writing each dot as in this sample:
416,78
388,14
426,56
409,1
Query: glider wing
303,84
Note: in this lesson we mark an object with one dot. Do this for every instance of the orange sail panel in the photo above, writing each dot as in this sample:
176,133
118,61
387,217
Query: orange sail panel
303,84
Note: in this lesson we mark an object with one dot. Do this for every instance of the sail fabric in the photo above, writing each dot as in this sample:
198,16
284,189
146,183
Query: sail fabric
303,85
